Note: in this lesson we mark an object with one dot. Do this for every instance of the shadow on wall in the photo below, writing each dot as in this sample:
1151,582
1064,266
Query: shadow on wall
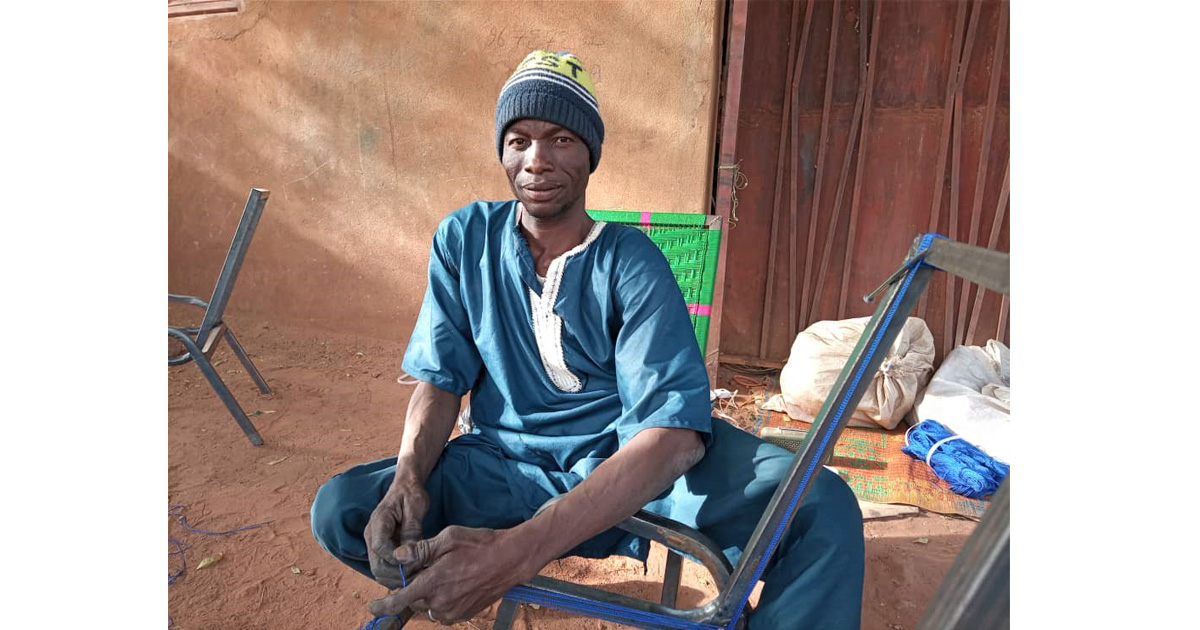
367,141
288,274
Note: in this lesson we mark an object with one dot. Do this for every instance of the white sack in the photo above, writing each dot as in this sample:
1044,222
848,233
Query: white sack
820,352
969,395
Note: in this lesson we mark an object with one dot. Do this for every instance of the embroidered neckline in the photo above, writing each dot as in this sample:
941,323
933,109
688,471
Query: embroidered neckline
547,325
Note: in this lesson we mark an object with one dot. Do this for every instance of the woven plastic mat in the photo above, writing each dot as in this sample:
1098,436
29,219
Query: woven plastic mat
691,243
871,462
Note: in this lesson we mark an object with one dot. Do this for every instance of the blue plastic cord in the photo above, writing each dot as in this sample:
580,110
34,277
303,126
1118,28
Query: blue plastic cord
177,512
913,267
374,623
180,547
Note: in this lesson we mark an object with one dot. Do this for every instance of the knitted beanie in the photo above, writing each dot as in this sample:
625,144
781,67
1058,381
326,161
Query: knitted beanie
553,87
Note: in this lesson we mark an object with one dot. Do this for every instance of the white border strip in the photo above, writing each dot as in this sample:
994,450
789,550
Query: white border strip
547,325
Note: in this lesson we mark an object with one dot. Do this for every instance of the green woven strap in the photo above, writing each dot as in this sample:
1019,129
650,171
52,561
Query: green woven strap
691,248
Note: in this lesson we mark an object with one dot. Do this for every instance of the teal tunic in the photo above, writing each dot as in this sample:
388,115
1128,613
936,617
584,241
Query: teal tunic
625,336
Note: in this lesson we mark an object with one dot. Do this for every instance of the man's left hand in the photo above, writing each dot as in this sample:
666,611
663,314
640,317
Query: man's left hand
458,573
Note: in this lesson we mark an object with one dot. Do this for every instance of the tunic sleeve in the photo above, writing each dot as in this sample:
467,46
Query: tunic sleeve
441,350
661,377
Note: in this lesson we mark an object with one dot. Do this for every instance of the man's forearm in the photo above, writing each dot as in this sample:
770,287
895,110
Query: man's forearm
432,412
636,474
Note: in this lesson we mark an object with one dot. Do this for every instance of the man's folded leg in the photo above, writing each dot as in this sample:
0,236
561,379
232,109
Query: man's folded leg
815,578
471,486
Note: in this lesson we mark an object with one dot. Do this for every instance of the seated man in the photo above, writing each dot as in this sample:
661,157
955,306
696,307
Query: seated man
586,383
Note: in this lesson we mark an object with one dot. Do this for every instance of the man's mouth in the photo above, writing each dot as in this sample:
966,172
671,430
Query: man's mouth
540,192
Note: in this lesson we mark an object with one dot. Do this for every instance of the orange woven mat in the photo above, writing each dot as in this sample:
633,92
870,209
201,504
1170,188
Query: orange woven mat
871,462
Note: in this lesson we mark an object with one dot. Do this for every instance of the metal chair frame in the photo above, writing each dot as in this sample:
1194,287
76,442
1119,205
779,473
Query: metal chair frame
985,267
200,342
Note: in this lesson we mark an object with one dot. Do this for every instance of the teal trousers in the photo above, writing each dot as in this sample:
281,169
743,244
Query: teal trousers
814,580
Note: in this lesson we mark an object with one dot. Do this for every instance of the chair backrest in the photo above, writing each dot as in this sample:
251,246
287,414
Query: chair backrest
233,262
691,243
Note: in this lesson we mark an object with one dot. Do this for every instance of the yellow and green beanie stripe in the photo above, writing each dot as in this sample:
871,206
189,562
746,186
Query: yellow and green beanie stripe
554,87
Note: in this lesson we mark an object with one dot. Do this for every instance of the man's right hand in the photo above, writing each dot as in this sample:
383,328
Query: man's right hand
396,521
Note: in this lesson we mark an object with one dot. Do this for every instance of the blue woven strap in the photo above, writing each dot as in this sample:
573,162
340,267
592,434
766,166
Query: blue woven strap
918,258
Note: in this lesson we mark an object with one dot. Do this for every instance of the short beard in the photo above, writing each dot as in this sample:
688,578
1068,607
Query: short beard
555,212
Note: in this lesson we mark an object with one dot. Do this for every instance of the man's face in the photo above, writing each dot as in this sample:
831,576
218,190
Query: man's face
547,166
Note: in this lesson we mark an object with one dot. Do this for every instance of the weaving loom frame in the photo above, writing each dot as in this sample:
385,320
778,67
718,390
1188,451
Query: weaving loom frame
679,235
903,289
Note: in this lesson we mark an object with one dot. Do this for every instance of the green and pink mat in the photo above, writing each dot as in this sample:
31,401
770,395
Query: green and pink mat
691,243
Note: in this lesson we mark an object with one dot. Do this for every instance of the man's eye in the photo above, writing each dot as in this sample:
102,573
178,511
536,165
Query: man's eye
564,139
516,142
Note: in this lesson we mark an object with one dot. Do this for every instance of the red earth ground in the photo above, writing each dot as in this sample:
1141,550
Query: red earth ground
336,403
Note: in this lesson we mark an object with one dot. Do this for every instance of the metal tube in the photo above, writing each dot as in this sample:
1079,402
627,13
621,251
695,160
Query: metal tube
859,98
984,267
727,152
187,299
505,614
862,157
679,537
218,386
1003,318
246,362
984,159
233,261
671,573
772,247
956,168
947,116
885,325
551,585
795,176
822,149
993,238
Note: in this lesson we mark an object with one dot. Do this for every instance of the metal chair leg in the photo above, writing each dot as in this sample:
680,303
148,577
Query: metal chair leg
226,397
505,615
671,578
218,386
246,362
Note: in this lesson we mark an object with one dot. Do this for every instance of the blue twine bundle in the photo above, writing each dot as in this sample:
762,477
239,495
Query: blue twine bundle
970,471
374,623
180,547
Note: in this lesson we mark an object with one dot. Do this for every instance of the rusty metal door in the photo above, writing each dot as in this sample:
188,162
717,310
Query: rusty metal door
859,125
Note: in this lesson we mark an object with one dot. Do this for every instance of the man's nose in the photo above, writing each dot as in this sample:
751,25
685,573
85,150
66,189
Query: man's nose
537,157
